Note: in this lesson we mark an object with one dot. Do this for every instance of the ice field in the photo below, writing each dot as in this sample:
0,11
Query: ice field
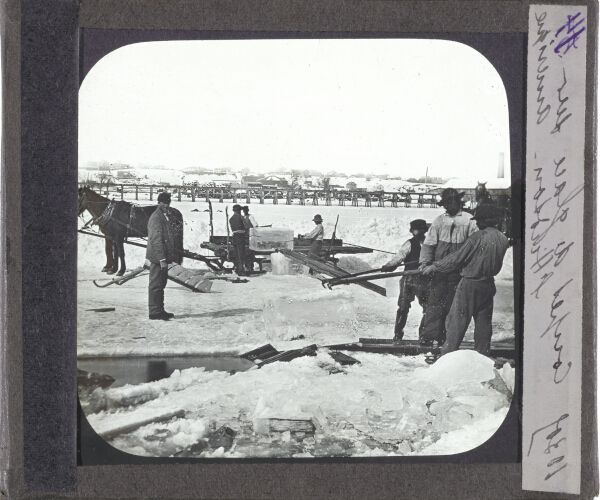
384,405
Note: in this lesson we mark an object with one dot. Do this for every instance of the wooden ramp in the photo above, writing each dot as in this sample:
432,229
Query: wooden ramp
328,269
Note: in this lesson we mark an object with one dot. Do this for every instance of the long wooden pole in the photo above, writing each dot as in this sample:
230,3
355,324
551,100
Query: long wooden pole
332,236
210,213
227,226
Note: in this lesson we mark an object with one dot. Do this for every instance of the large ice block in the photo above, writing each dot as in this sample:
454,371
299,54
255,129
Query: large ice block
268,239
281,265
285,316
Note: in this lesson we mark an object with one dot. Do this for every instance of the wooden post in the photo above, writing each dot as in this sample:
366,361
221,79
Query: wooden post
407,200
151,190
262,196
354,199
276,197
136,192
247,196
302,198
341,199
208,195
315,199
395,200
221,196
288,197
234,195
122,191
179,193
328,198
193,193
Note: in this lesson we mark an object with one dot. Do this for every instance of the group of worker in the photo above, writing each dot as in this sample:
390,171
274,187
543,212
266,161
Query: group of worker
450,268
451,272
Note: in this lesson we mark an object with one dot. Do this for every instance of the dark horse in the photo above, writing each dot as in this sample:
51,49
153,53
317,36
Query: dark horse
483,197
119,220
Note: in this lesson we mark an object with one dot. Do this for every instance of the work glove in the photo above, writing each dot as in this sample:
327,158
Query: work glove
386,268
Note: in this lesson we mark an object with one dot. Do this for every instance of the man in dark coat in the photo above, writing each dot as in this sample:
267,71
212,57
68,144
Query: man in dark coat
238,229
160,253
478,260
414,285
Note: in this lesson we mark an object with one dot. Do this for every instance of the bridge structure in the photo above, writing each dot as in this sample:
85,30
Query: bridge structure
272,195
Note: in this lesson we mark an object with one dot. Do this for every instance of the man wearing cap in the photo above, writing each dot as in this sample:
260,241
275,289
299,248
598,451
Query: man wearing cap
238,229
411,286
159,254
479,260
316,237
447,234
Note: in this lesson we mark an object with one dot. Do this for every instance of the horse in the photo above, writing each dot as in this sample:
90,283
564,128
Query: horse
119,220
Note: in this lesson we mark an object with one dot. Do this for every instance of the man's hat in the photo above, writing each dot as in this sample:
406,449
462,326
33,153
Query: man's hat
448,194
164,197
237,208
419,224
318,218
246,208
486,212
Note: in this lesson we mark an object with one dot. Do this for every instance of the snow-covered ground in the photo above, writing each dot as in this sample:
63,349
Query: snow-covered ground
379,406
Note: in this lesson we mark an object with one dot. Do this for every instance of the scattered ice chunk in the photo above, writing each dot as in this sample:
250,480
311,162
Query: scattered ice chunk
508,375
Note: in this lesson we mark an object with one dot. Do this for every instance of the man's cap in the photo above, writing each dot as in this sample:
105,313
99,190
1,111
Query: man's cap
246,208
237,208
420,224
486,212
164,197
318,218
449,194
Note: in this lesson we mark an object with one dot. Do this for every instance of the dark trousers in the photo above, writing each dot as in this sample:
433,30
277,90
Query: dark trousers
239,244
315,249
156,288
410,287
441,295
473,299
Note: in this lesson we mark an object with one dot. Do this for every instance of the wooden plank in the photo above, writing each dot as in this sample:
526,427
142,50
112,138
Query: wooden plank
264,352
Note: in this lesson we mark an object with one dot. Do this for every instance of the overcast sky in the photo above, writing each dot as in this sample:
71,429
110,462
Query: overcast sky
372,106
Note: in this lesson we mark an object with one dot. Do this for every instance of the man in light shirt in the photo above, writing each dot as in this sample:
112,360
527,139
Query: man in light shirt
478,260
447,234
411,286
316,237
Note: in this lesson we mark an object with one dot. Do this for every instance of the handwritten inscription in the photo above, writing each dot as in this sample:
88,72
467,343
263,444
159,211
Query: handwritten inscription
555,464
554,248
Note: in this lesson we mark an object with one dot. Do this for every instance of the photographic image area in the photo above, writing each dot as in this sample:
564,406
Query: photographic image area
295,249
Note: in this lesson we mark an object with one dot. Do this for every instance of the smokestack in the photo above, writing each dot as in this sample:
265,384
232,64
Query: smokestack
501,167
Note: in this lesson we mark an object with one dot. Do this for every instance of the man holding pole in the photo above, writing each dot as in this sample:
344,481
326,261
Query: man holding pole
447,234
411,285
